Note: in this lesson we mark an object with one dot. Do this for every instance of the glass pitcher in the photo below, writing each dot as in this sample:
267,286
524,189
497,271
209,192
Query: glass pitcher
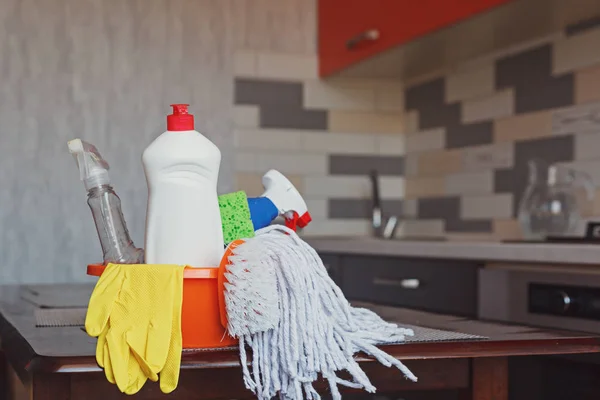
550,206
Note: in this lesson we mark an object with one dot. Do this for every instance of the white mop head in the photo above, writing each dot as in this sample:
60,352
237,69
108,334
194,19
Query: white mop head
282,303
252,299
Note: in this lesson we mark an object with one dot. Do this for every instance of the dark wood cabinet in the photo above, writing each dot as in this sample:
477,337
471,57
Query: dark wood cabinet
554,377
440,286
332,265
3,377
457,394
443,286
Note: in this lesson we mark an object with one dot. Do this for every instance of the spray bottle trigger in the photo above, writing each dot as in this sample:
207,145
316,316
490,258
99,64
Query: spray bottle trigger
291,220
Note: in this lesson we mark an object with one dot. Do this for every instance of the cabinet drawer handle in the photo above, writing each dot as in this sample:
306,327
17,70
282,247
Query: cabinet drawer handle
369,35
403,283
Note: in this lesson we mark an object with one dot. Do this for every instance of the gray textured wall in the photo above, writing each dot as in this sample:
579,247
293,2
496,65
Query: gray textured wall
105,71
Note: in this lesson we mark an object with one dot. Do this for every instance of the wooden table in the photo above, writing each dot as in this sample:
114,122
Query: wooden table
59,363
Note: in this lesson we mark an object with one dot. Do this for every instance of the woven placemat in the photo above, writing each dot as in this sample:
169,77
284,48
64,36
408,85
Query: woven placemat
423,335
57,317
48,317
54,296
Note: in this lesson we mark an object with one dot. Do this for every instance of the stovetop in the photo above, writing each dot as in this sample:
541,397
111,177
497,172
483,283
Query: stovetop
558,240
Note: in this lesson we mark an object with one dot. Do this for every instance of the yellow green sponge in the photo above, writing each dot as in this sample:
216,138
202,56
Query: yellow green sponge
235,216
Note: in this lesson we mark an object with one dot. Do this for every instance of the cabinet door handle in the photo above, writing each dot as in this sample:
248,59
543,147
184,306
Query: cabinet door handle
411,283
368,35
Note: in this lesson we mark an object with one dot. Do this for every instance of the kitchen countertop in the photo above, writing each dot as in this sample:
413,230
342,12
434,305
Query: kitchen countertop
564,253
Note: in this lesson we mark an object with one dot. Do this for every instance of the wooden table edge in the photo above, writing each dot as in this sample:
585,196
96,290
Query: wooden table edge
228,358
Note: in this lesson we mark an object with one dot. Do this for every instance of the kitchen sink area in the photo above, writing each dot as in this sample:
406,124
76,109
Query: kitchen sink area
375,238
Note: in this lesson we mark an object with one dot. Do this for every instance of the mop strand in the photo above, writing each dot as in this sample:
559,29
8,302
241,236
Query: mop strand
283,305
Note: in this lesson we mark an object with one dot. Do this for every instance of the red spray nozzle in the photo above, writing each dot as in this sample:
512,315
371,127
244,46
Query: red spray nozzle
180,120
180,108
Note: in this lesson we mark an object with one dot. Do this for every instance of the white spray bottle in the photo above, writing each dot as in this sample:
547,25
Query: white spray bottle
117,246
183,221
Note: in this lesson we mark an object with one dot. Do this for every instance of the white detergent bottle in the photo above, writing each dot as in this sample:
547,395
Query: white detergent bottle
183,221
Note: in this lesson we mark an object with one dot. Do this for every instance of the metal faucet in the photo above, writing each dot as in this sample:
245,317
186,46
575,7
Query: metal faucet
379,230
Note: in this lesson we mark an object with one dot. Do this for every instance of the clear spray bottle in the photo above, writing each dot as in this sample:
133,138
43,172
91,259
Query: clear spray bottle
117,246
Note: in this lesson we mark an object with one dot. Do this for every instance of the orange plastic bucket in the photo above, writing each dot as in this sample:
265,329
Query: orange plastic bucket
203,316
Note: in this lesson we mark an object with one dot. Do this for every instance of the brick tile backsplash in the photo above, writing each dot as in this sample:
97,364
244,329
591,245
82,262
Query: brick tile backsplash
288,117
269,93
323,95
422,228
409,208
470,84
587,146
341,143
417,188
506,229
467,135
286,163
432,139
582,26
577,51
319,208
268,139
351,187
490,206
522,127
388,145
411,164
448,209
439,162
361,208
470,183
435,116
438,207
498,105
452,150
411,121
587,85
493,156
582,118
389,98
525,68
456,225
338,227
426,94
590,167
363,165
365,122
287,66
280,104
554,93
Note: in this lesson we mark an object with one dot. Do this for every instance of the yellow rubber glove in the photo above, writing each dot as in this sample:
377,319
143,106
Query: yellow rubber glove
135,311
137,377
109,287
169,376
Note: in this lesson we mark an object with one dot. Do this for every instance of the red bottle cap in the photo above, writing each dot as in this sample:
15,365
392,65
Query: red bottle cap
180,120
